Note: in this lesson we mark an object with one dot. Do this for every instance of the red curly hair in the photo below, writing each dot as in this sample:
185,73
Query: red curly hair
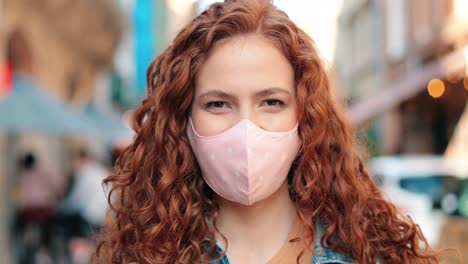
160,201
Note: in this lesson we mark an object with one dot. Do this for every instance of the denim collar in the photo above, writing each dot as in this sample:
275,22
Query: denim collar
323,255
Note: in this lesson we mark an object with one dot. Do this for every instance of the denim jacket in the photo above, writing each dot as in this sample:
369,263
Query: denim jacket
321,255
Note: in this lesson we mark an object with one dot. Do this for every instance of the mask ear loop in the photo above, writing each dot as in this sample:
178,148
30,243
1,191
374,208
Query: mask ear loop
290,175
295,163
302,146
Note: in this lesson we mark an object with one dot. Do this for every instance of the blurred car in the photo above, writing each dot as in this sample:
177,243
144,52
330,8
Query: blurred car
425,187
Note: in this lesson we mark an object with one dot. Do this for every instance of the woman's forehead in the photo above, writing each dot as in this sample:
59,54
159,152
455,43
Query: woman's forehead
245,62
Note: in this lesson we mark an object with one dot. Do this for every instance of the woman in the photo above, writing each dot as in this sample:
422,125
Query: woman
241,156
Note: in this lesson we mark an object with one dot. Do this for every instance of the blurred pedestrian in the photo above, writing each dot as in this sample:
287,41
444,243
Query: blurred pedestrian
36,196
86,199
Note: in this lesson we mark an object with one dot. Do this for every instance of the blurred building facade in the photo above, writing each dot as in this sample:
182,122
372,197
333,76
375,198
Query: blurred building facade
69,42
64,46
387,53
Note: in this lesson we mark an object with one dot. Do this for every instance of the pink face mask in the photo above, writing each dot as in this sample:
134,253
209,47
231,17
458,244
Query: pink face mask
245,164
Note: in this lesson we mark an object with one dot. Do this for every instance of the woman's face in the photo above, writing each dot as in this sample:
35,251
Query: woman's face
244,77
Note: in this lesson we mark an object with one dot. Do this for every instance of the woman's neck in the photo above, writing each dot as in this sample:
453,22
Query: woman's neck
261,227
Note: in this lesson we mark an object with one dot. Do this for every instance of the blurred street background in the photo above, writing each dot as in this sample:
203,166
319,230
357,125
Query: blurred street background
72,71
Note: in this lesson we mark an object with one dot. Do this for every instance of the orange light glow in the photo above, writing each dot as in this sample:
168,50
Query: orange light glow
436,88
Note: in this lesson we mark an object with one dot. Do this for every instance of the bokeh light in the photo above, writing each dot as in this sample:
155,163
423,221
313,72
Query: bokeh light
436,88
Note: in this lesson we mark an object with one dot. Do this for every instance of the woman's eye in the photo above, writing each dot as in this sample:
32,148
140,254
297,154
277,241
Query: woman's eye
274,102
215,104
217,107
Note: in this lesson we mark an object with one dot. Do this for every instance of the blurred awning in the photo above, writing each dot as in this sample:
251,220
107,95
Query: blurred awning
29,109
407,86
110,126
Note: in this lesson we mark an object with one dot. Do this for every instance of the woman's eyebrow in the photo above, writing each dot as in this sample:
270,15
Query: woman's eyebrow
270,91
261,93
216,93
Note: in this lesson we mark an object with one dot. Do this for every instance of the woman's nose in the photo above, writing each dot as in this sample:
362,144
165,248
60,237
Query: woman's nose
251,116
